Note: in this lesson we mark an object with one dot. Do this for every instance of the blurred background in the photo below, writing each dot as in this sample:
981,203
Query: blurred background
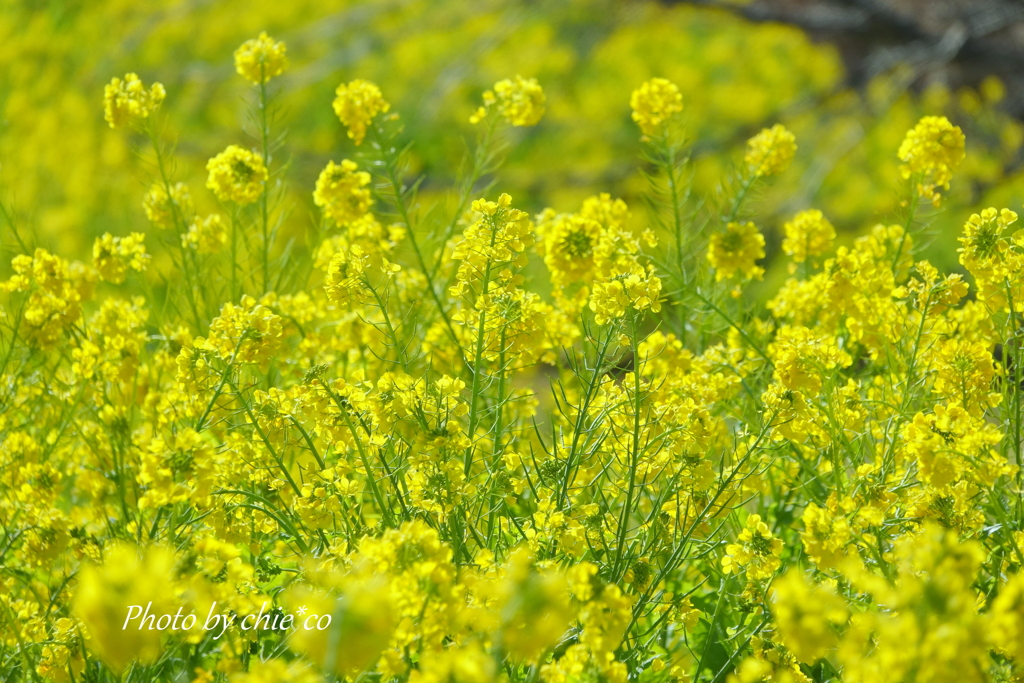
848,77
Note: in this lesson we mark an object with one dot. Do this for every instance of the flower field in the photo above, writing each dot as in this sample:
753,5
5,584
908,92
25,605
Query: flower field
609,379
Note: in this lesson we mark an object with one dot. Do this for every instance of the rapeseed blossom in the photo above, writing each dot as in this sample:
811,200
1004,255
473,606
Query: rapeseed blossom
737,249
237,175
809,233
479,443
127,102
260,59
771,151
654,103
342,192
356,104
930,153
520,101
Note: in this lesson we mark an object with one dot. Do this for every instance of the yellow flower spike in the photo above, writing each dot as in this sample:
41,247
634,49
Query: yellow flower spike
356,104
654,103
771,151
520,101
342,192
260,59
162,211
122,586
756,551
127,102
737,250
930,153
635,289
237,175
809,233
806,615
113,256
206,235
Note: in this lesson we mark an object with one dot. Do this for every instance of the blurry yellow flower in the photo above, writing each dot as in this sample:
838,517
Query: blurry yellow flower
737,249
356,104
808,234
930,153
260,59
236,175
467,664
113,256
806,615
520,102
1007,631
276,671
342,192
206,235
129,577
362,620
163,211
127,102
771,151
654,103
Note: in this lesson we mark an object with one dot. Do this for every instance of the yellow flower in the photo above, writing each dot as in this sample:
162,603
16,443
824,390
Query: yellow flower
536,612
346,280
492,245
635,289
127,102
757,551
520,102
260,59
206,235
771,151
276,671
467,664
163,211
806,614
930,153
236,175
356,104
107,595
825,536
654,103
808,234
804,356
737,249
363,620
1007,630
341,191
113,256
985,248
247,333
964,374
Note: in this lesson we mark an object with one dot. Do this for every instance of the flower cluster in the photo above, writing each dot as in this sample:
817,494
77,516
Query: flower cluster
737,249
475,444
520,102
356,104
341,191
771,151
127,102
654,103
260,59
930,153
237,175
